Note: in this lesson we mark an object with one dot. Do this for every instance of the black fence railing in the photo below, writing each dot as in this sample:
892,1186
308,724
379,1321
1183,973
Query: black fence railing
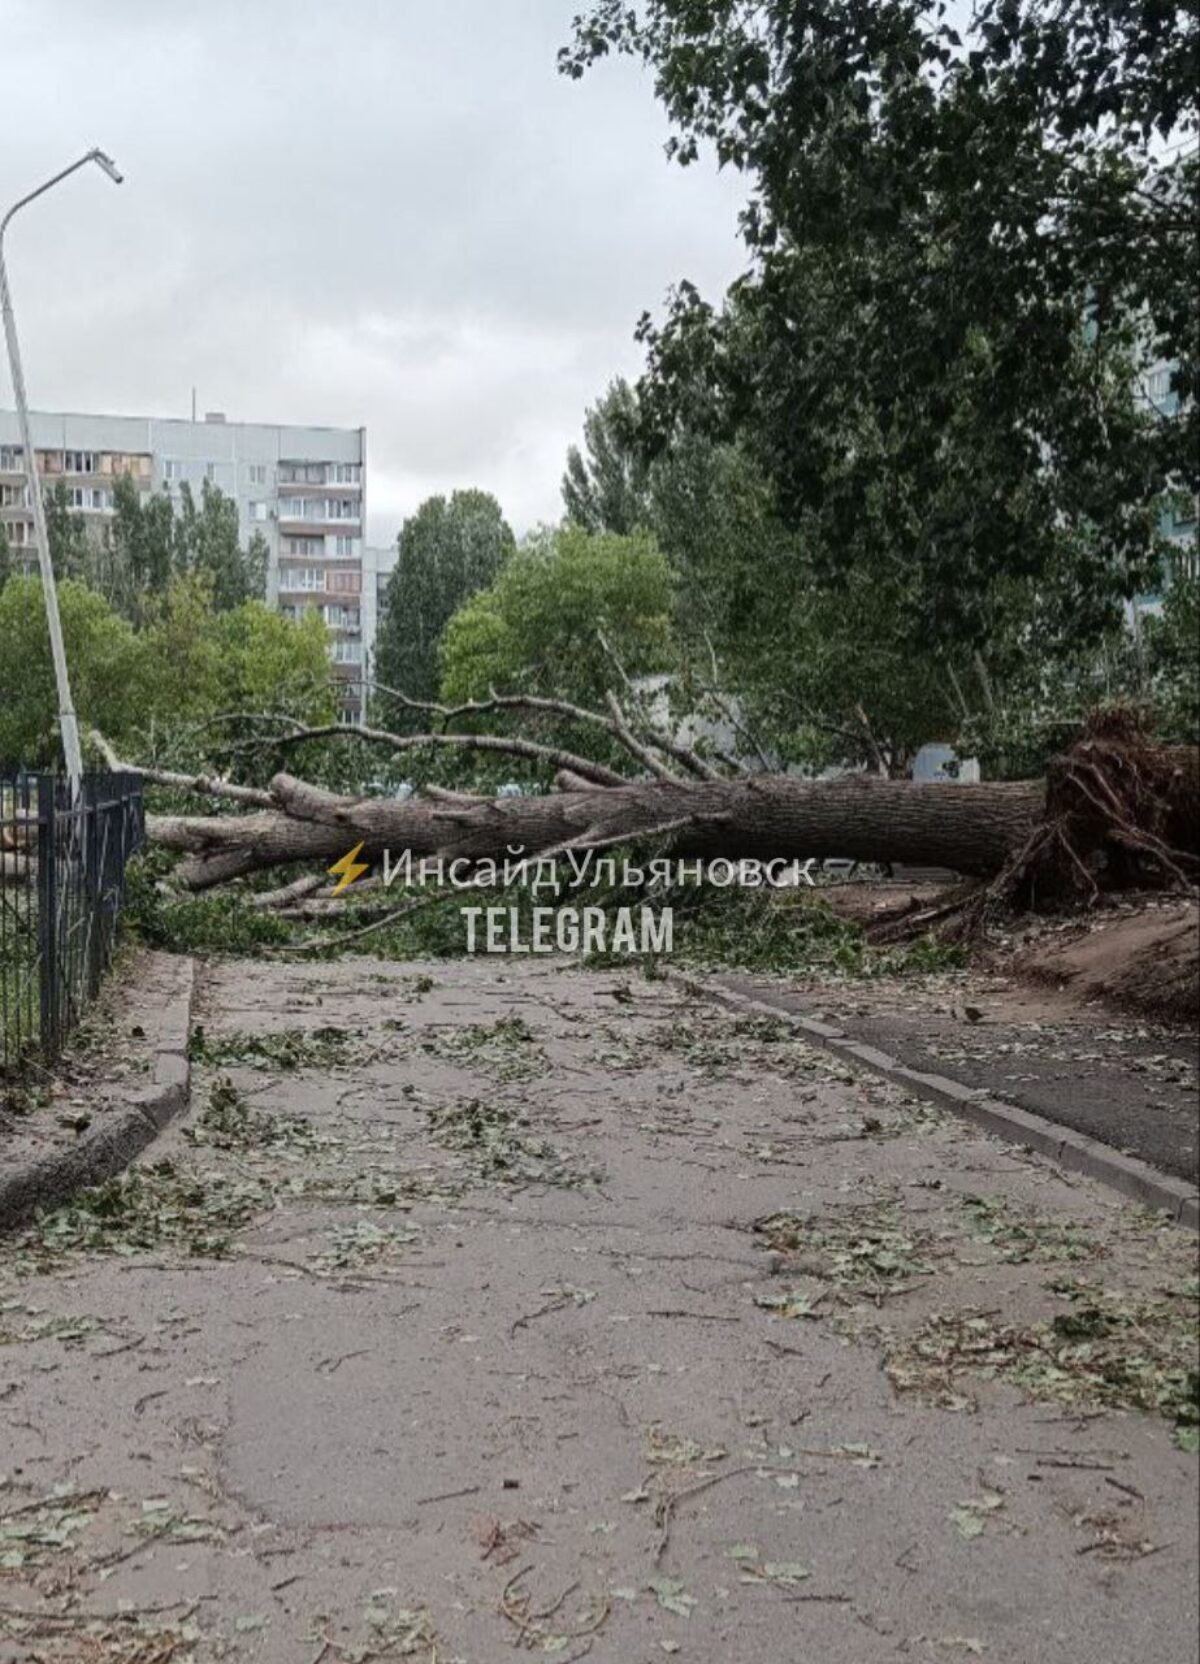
62,884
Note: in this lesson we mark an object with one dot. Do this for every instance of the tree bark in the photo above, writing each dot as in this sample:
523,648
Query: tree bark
972,829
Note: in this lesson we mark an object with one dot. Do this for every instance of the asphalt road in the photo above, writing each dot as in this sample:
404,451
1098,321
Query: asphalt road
1129,1083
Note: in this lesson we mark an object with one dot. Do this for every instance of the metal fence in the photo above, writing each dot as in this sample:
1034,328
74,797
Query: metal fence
62,883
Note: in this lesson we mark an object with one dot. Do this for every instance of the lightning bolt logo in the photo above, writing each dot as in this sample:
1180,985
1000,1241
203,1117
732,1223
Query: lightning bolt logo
348,868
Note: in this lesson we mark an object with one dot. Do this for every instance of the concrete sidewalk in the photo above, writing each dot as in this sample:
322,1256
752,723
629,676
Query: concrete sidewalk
498,1307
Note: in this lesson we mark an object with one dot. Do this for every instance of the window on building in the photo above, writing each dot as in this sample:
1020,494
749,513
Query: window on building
90,498
304,548
344,473
302,473
256,473
172,470
345,583
345,547
308,578
12,459
301,508
210,471
341,618
345,651
79,462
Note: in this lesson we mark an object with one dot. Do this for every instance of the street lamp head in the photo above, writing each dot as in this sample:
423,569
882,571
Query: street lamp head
109,166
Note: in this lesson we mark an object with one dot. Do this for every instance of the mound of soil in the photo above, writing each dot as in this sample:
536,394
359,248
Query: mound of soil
1145,960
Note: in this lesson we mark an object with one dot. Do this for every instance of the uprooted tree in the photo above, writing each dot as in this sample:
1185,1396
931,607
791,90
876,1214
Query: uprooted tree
1115,811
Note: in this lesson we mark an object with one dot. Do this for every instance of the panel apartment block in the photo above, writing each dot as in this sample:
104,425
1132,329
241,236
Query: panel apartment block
303,488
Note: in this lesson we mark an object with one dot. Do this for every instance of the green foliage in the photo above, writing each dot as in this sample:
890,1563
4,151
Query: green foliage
142,689
149,542
1172,642
806,659
66,531
559,613
793,932
221,923
962,248
268,662
108,680
609,489
449,550
6,560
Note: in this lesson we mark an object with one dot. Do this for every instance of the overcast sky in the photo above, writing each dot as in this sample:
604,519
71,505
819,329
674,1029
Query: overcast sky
376,212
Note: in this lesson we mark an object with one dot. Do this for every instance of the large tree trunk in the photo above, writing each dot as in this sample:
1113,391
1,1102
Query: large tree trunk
971,829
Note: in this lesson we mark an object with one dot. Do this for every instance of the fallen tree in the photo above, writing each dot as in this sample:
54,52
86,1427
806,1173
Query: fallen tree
1114,811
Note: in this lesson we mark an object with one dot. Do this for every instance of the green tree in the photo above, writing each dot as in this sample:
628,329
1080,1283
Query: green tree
450,549
149,542
206,543
247,659
1172,643
152,692
104,655
6,560
140,547
608,489
66,531
268,662
569,614
822,674
963,246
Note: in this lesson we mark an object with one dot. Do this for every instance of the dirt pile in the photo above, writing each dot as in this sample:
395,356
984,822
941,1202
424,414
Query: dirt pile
1145,959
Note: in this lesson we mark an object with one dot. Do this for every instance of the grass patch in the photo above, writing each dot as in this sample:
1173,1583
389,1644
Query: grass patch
220,923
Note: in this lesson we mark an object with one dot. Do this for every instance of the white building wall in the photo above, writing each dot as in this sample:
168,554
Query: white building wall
377,567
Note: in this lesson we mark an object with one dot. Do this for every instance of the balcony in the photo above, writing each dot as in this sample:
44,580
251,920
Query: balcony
317,477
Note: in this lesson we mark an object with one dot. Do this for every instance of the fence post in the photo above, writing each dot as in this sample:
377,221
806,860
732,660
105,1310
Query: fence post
47,920
93,883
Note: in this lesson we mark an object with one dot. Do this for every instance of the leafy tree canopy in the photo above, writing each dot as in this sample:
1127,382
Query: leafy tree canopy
152,690
608,489
105,657
149,541
450,549
966,244
570,614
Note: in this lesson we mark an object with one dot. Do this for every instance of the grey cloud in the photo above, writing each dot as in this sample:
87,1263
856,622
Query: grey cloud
393,214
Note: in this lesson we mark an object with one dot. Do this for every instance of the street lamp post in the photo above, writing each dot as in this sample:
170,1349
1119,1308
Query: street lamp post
66,710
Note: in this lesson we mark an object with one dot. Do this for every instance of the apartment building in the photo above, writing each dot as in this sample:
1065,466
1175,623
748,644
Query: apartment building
303,488
379,562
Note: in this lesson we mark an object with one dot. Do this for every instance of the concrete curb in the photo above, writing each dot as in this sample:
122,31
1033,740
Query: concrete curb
109,1148
1073,1150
